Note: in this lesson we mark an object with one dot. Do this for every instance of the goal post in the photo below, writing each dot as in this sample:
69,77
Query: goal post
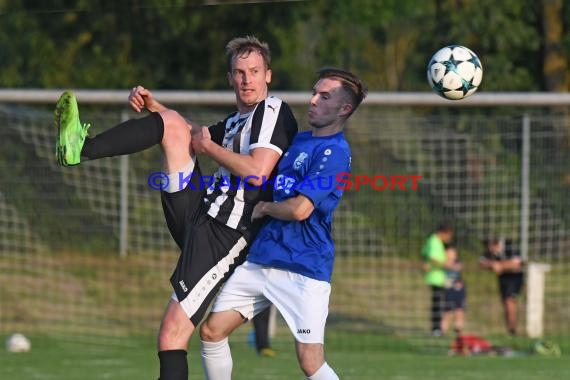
536,273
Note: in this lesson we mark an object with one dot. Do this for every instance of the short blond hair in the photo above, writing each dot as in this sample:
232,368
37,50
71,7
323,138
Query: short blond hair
244,46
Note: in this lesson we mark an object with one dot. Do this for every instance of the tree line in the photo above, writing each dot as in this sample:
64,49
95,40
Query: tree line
524,45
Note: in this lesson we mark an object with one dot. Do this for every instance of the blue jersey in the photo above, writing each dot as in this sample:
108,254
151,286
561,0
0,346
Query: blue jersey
313,166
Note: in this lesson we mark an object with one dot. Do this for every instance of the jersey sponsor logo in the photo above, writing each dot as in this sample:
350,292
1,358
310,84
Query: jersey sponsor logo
272,108
183,286
304,331
285,183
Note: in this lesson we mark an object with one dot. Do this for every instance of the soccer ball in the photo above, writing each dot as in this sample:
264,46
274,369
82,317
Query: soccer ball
454,72
18,343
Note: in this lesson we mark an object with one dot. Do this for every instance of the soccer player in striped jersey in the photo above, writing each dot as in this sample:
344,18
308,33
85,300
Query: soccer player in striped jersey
290,262
209,220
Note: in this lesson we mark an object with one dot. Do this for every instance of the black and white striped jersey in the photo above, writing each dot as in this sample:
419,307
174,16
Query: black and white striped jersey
229,199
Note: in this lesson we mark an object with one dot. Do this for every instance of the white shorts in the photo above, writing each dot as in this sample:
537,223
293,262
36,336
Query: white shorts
302,301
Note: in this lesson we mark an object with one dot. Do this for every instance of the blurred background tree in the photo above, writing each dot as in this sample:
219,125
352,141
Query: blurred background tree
524,45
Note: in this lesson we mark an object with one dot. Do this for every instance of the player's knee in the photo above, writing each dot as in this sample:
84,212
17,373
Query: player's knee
176,129
210,334
174,333
171,338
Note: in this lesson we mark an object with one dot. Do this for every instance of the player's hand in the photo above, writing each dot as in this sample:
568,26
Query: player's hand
484,263
497,267
201,140
258,211
141,98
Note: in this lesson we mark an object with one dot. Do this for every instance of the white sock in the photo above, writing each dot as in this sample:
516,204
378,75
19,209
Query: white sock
324,373
217,360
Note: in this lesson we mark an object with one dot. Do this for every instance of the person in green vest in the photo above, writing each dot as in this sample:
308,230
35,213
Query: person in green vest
434,259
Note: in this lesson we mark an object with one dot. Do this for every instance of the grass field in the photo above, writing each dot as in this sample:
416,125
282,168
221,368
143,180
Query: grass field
135,358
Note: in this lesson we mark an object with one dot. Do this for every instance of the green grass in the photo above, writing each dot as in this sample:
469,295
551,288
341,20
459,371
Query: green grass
135,358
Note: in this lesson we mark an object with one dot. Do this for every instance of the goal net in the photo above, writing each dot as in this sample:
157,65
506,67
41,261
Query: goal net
85,253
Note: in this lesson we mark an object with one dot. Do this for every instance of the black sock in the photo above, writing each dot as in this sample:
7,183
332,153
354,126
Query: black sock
173,365
131,136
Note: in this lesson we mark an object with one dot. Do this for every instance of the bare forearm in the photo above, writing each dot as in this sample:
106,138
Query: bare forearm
254,169
293,209
485,264
510,265
238,164
453,266
156,107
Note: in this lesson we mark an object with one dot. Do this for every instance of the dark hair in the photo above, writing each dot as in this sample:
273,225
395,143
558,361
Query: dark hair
354,87
244,46
445,226
492,240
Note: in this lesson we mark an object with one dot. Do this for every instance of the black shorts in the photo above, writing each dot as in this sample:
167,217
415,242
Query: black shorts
510,285
455,298
210,250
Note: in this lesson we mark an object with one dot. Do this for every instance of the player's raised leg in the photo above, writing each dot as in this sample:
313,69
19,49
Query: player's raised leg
71,132
165,127
176,142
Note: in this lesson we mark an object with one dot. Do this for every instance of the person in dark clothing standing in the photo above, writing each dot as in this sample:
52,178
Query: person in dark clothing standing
503,260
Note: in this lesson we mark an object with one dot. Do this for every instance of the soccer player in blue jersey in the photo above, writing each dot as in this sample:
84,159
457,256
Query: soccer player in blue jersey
290,262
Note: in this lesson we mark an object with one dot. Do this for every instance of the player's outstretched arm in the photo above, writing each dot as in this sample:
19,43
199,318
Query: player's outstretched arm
485,263
512,264
256,166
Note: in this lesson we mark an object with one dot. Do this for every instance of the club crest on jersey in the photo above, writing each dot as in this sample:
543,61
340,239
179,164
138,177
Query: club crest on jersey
299,160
